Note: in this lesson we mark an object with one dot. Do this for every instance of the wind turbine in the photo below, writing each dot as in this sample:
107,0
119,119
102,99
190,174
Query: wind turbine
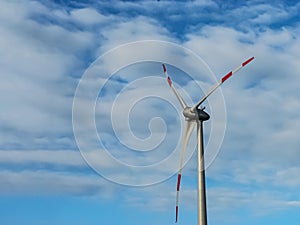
195,115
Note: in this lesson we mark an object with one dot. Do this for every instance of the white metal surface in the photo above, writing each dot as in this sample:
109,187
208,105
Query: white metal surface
194,115
201,192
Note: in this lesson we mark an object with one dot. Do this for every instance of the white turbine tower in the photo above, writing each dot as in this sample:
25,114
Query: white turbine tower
195,115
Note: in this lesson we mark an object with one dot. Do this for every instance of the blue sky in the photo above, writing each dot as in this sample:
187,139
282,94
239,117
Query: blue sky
47,46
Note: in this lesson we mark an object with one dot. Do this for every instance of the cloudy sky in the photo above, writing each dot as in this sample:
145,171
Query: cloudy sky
90,137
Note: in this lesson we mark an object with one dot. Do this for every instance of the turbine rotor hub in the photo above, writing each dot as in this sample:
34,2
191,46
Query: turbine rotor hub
189,114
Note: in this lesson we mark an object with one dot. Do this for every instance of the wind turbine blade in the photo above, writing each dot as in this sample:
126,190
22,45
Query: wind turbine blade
181,101
188,130
224,78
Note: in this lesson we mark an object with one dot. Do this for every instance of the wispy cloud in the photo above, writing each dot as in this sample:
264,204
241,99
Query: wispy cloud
45,48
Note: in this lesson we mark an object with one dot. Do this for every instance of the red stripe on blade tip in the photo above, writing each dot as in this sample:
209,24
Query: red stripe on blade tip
165,69
178,181
226,76
247,61
176,214
169,81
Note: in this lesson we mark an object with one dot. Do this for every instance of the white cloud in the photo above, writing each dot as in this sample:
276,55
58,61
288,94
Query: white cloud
261,143
57,157
87,16
37,65
137,29
267,14
52,183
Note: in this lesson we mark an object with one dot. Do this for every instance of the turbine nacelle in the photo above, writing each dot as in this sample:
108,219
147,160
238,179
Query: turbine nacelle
195,115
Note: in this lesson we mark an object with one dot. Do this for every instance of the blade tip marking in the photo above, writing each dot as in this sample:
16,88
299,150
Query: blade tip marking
226,76
169,81
247,61
178,182
164,67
